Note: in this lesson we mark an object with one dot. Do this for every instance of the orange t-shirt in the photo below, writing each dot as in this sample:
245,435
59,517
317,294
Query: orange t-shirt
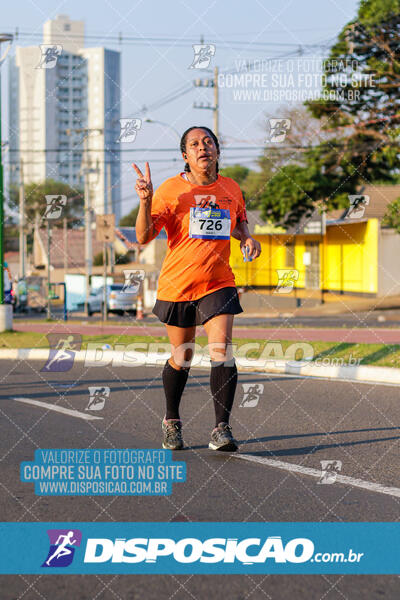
197,259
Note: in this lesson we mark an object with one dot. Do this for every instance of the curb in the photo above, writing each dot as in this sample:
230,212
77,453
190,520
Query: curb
91,358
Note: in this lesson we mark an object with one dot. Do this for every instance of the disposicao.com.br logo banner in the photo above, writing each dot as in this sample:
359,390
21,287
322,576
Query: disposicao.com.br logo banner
205,548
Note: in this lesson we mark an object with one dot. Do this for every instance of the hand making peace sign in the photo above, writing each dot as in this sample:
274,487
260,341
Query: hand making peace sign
144,187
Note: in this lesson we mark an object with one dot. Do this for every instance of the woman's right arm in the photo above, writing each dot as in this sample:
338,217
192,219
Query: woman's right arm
145,230
144,223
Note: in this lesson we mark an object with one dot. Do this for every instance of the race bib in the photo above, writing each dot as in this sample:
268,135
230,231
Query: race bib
210,223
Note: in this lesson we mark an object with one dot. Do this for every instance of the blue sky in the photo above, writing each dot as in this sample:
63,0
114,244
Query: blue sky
240,31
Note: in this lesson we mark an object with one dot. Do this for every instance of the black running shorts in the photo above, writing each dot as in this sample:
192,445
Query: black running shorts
198,312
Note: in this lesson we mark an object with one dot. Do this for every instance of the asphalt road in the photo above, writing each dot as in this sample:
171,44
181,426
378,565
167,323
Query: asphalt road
297,421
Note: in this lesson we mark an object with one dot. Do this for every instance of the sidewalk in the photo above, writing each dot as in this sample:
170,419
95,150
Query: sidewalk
351,336
334,304
117,358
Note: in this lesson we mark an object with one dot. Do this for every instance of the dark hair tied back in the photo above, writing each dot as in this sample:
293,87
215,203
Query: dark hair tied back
183,142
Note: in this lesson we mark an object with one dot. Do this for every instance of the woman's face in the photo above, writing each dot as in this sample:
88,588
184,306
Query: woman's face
201,152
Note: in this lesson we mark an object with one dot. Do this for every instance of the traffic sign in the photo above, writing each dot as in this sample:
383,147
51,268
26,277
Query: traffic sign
105,228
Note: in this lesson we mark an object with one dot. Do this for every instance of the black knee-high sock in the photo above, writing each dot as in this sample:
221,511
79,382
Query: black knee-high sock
174,383
223,381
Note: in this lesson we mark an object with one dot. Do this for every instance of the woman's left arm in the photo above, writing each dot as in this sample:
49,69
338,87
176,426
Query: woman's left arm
242,233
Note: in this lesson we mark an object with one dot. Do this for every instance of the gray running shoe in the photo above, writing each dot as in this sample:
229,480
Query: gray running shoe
222,439
172,429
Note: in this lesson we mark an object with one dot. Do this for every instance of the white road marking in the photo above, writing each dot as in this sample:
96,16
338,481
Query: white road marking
315,378
278,464
60,409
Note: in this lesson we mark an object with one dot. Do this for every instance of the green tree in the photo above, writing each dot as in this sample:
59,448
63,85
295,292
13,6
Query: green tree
358,108
240,174
35,201
363,75
255,182
264,187
129,220
392,216
236,172
251,182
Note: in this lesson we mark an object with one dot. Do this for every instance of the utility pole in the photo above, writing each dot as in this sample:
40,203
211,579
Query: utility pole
216,102
5,309
49,233
65,238
105,232
22,235
109,211
210,83
1,223
323,233
105,311
85,171
88,222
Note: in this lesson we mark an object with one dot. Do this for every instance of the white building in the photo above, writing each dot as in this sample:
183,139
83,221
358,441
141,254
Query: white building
82,91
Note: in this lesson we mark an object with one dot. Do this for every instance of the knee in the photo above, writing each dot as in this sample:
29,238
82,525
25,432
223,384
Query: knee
220,351
181,359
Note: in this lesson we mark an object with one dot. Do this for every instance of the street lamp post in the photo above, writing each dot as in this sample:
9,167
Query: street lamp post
5,309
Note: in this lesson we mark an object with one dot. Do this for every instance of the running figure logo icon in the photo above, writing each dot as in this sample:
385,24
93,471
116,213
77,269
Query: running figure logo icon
62,352
203,54
278,130
49,57
98,396
55,206
62,547
251,394
329,471
129,129
357,206
133,279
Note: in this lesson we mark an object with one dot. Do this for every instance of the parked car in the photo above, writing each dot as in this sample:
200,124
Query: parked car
9,295
21,290
118,301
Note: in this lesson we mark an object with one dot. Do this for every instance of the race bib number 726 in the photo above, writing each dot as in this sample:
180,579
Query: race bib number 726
210,224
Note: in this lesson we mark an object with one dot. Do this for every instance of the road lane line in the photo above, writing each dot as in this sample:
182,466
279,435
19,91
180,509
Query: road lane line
60,409
278,464
315,378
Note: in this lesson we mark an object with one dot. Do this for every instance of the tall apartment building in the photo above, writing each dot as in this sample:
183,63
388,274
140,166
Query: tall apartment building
47,105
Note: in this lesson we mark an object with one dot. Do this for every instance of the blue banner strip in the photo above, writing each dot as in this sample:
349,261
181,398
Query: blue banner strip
204,548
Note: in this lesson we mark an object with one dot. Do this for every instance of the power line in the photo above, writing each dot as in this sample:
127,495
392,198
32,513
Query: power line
182,90
119,150
122,39
163,101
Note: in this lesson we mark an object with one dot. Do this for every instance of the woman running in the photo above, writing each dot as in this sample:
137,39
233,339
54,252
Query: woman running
200,211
